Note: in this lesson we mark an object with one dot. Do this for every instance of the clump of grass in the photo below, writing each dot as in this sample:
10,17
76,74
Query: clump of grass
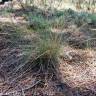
47,53
37,22
49,48
59,23
93,17
69,17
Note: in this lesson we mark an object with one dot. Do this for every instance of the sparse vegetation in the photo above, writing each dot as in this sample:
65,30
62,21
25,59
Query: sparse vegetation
48,50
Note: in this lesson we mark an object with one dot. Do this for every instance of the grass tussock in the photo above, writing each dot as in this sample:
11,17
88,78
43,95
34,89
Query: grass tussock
48,48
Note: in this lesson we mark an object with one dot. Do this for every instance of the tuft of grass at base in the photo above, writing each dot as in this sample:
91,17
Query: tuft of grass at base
47,54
